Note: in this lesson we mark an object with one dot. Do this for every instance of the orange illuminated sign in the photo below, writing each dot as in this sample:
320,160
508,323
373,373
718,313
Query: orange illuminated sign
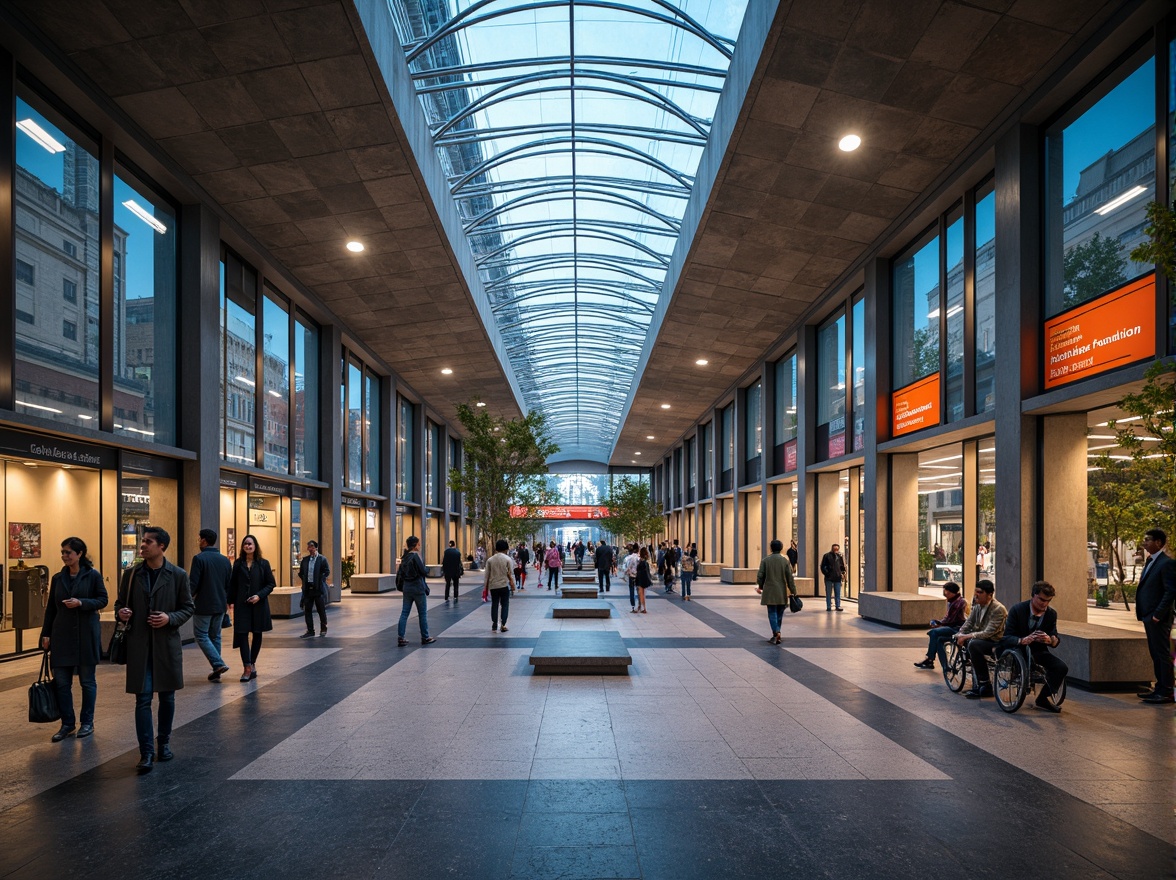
916,406
569,511
1114,330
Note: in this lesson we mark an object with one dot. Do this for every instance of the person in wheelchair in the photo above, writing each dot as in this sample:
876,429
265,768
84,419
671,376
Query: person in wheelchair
981,634
944,628
1033,625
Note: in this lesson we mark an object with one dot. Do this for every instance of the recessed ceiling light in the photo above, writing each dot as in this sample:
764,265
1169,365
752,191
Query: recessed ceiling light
481,403
648,436
355,246
665,406
702,362
636,453
849,143
446,372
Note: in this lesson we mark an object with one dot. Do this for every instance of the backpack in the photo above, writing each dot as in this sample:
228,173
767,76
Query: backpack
688,564
553,558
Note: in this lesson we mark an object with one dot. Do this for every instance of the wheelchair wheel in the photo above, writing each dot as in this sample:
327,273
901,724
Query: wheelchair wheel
1010,680
955,673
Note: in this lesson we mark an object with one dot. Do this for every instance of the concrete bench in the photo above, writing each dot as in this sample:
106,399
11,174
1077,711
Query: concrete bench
738,575
807,587
587,576
373,583
283,602
580,592
581,608
900,609
1103,656
433,571
708,569
573,652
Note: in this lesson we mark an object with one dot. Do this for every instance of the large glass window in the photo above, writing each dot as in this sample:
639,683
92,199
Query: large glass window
916,314
706,447
985,325
276,382
1100,172
831,388
405,450
691,474
434,466
353,419
57,250
954,317
753,431
145,314
859,373
727,447
785,421
1172,181
371,422
239,356
306,398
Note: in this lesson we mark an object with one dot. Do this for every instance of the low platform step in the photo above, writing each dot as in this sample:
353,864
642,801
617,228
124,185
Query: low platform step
581,608
580,653
587,576
579,592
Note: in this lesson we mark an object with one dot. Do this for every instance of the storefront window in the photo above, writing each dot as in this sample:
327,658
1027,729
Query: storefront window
306,398
57,269
239,348
859,373
954,302
371,474
434,467
145,315
1100,173
276,400
785,422
691,474
706,446
455,463
727,447
941,514
145,501
754,432
353,421
986,303
405,451
916,314
831,388
986,509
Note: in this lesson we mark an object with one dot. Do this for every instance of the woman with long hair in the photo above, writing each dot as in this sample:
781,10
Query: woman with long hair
72,634
644,579
249,588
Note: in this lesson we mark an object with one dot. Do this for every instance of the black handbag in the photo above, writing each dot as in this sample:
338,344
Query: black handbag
794,603
117,651
43,706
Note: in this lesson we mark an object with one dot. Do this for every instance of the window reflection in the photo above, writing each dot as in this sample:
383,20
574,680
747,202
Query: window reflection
306,399
276,401
954,303
239,353
986,303
916,315
831,388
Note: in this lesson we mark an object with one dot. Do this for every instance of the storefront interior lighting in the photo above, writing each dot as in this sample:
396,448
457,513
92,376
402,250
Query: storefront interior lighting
939,460
1120,200
42,137
1104,446
38,406
954,310
140,212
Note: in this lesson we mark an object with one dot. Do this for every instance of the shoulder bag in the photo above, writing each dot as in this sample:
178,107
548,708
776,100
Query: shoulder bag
116,652
42,697
794,603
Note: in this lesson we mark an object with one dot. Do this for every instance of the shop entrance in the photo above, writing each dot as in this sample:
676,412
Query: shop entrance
278,521
360,521
841,521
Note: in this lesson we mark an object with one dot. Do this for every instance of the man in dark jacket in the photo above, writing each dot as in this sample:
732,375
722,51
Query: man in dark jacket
157,601
452,567
410,580
1154,606
1034,625
314,572
833,570
208,576
603,559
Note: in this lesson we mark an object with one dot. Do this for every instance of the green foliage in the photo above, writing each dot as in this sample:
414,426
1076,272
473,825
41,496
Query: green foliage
1091,269
926,560
631,512
1150,439
1119,508
926,351
504,463
1161,247
348,569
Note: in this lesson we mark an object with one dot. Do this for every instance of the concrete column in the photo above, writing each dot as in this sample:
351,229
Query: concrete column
753,528
904,523
1063,539
828,492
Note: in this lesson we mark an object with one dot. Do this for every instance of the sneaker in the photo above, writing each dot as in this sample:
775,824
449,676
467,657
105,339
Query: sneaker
428,641
400,643
502,629
634,611
309,634
494,628
925,664
323,633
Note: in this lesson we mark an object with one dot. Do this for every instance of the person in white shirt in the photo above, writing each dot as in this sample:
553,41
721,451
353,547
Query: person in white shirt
629,566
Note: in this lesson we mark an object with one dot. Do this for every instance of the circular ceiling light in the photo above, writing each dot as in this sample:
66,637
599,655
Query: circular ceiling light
702,362
648,436
849,143
665,406
637,453
447,372
481,403
355,246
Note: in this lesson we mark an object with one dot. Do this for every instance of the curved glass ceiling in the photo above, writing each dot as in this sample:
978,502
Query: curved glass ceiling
570,132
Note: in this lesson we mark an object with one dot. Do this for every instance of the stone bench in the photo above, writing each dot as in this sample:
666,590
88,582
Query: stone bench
708,569
579,577
433,571
581,608
579,652
373,583
902,610
1103,656
738,575
807,587
580,592
283,602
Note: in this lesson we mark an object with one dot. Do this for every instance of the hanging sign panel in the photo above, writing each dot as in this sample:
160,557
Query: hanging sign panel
1117,329
916,406
572,511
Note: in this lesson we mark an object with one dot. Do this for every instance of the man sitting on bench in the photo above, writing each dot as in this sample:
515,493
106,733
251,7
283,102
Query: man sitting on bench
981,633
1034,625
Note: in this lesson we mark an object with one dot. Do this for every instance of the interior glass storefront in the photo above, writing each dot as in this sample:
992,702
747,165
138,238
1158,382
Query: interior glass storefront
408,522
279,523
360,523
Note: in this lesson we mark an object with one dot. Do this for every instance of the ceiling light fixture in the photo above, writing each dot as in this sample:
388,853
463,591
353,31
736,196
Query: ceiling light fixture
849,143
141,212
665,406
702,362
480,403
355,246
42,137
446,372
648,436
636,453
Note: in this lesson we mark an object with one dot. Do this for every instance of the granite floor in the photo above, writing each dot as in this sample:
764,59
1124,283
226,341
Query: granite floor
718,756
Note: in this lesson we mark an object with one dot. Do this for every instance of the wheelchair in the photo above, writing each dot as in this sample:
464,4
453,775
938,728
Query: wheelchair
1012,672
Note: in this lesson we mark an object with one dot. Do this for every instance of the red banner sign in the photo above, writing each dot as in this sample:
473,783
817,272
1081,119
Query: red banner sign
790,456
571,511
916,406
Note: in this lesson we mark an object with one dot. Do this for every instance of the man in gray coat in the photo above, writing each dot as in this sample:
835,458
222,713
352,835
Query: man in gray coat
209,576
157,601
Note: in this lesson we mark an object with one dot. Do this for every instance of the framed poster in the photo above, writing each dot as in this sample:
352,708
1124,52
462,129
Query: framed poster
24,540
231,543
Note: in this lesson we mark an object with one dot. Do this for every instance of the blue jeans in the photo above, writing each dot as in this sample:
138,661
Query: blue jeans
207,628
167,712
937,639
832,588
63,684
603,579
687,577
776,617
422,615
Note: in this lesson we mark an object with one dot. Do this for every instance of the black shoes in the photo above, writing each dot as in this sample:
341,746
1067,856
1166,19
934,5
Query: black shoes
1159,699
985,690
925,664
400,643
430,640
217,673
309,634
324,631
146,762
85,730
64,733
1044,702
165,752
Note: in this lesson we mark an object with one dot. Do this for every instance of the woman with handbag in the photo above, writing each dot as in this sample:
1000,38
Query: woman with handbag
644,579
249,588
73,636
774,581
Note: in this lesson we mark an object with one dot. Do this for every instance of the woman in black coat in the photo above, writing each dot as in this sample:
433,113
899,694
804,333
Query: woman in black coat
644,579
249,588
72,634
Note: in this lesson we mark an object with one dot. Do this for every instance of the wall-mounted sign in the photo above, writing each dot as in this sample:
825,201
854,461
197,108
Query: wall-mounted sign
57,451
1117,329
259,516
916,406
269,487
148,464
572,511
790,456
230,480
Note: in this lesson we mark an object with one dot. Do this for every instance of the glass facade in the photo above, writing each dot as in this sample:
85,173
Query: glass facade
238,328
954,318
786,417
726,447
706,448
405,452
858,358
371,427
306,399
753,431
916,314
831,388
353,424
275,321
985,298
434,467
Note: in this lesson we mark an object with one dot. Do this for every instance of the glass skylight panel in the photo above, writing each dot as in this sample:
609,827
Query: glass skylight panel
570,133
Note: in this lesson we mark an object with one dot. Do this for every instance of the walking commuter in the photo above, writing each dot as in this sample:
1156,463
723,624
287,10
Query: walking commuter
499,583
410,580
833,569
602,559
1154,601
314,572
793,555
688,566
157,601
578,553
452,568
944,628
629,568
644,579
553,559
673,557
522,557
208,578
774,581
249,589
72,635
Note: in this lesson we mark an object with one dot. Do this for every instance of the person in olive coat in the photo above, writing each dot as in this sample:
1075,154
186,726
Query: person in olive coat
73,636
249,589
157,601
774,581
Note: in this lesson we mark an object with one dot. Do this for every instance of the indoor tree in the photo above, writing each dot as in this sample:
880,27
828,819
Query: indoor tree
631,511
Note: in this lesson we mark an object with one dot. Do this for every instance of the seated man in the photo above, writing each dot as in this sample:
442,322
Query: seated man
981,633
946,627
1034,625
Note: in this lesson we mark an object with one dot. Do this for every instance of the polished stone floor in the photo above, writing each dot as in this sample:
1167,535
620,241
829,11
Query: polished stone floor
719,756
